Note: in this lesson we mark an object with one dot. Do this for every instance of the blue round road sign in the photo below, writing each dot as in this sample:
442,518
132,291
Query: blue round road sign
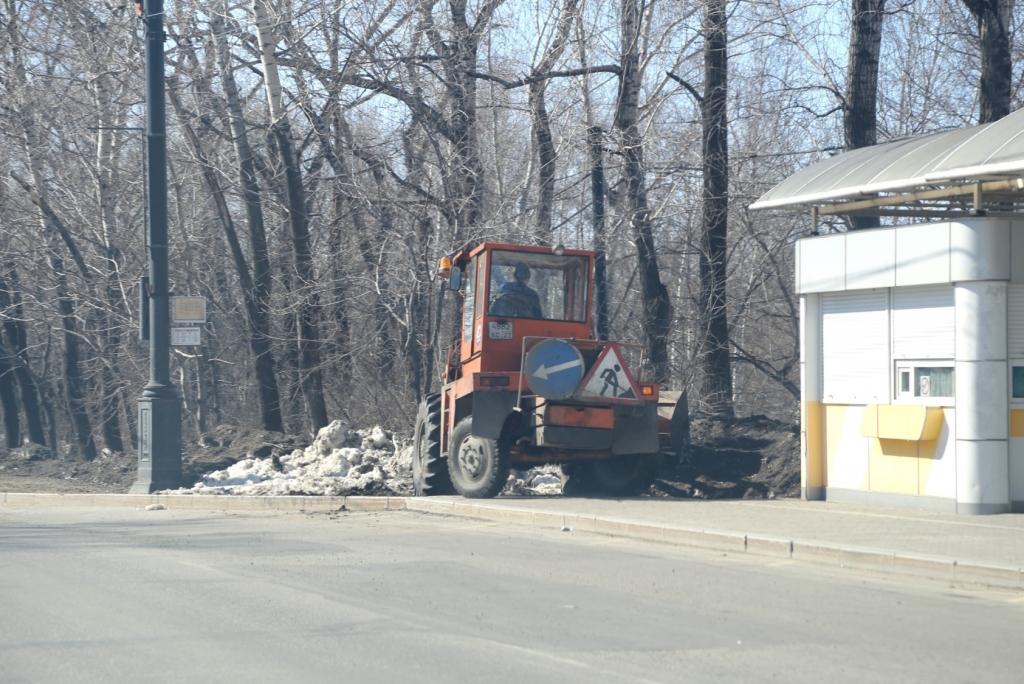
554,369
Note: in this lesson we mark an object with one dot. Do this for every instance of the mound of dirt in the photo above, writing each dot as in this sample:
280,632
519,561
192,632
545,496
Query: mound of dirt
743,458
34,468
749,458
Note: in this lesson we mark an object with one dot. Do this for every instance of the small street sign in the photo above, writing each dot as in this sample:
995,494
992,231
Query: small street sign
186,337
188,310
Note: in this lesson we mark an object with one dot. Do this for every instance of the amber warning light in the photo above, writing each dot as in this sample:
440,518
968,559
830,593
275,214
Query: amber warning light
444,269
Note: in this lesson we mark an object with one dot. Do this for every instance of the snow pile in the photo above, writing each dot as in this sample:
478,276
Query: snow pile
339,462
342,461
543,481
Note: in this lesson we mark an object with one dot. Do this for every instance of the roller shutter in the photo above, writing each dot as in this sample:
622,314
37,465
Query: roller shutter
1015,321
923,322
855,347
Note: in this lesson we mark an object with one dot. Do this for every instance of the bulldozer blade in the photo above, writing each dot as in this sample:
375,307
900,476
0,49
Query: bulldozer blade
679,426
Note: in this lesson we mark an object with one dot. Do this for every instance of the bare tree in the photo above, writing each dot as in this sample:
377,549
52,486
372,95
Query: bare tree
993,17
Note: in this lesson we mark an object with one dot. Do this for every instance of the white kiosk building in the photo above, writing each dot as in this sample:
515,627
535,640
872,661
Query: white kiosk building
912,337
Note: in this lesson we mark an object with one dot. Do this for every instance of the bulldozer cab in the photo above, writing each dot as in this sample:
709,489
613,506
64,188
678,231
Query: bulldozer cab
513,291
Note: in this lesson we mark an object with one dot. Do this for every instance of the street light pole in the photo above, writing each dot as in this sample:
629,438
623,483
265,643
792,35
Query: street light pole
159,407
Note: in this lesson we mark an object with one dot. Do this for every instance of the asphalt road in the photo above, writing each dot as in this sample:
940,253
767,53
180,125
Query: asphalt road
122,595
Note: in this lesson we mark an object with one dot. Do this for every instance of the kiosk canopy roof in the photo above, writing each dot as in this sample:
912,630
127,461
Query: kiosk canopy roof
993,151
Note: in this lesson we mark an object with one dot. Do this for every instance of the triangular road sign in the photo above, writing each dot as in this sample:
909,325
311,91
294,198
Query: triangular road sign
609,380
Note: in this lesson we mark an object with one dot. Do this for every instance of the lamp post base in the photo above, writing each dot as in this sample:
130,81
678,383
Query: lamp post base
159,445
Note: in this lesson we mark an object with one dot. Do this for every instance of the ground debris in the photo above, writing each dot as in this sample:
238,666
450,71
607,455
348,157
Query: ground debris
741,458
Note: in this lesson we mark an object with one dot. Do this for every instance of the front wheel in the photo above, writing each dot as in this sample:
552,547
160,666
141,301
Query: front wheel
478,467
429,472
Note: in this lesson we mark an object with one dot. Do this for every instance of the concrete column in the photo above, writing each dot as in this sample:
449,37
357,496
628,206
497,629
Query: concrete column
812,451
982,398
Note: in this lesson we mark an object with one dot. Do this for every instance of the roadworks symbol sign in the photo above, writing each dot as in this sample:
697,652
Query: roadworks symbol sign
609,379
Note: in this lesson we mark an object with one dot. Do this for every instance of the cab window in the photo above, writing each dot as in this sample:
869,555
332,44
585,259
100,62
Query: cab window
544,286
467,308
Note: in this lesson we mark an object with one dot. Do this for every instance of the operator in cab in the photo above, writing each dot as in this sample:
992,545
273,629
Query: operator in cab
516,298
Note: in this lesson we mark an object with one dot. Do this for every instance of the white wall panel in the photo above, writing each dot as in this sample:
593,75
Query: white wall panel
822,264
922,254
1017,469
981,320
923,322
855,347
979,249
942,469
982,472
870,259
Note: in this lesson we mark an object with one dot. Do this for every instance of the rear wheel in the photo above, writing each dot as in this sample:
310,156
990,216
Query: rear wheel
617,476
478,467
429,470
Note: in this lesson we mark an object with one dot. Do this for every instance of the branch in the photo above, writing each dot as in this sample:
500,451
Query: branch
778,376
54,220
537,78
693,91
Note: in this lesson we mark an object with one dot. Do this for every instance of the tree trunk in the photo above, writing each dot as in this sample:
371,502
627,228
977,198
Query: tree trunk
298,221
545,163
714,321
9,400
109,338
657,309
860,103
52,228
258,287
17,341
71,372
542,125
994,89
595,143
256,317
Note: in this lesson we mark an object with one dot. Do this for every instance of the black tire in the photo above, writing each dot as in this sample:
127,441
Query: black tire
429,469
619,475
575,480
478,467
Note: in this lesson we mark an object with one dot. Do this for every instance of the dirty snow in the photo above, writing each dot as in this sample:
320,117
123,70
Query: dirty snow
342,461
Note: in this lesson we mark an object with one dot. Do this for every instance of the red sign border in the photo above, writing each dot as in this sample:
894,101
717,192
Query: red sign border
593,369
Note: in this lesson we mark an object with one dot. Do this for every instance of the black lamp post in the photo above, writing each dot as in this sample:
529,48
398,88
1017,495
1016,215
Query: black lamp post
159,407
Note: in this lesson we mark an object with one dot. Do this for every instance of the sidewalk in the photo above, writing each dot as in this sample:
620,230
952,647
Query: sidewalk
980,549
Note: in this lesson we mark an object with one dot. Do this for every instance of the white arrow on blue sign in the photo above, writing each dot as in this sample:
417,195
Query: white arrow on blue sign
554,369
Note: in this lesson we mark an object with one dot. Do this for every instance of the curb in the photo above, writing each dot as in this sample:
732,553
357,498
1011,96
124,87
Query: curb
802,551
209,503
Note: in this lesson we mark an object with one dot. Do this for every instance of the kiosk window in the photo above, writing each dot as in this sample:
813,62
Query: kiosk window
914,382
1017,382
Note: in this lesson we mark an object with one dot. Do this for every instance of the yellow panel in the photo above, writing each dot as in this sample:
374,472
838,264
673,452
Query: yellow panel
892,466
934,418
835,417
911,423
869,423
1016,422
815,475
